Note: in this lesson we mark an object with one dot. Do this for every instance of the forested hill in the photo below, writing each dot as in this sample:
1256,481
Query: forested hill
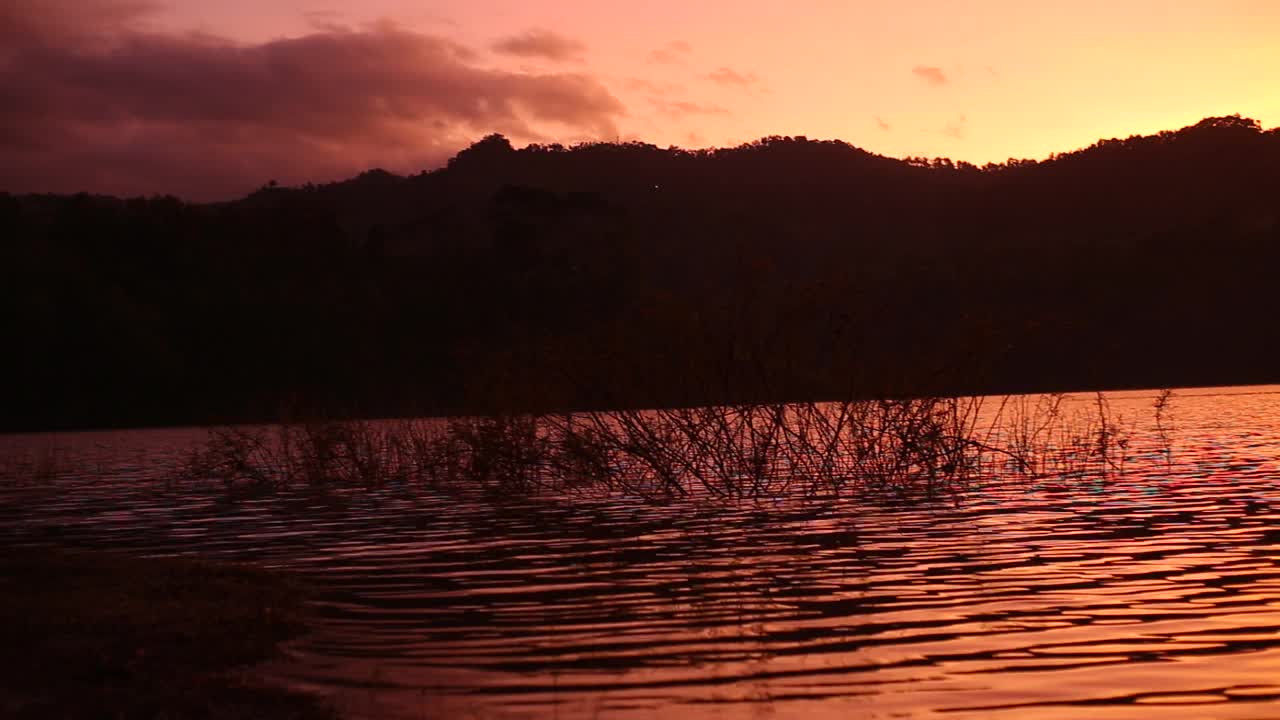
624,274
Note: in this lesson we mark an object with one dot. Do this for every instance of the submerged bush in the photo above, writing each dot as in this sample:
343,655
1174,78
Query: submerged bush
747,451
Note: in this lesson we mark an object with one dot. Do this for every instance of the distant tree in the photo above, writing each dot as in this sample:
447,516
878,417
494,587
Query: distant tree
1229,122
489,151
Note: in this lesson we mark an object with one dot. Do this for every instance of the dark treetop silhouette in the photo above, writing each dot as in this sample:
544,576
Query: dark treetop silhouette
609,275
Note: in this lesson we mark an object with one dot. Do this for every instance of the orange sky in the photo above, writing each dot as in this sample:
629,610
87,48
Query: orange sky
977,81
1020,79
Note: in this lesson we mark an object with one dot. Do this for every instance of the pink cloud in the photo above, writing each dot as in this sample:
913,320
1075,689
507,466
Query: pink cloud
932,75
682,108
92,100
542,44
732,78
675,52
661,89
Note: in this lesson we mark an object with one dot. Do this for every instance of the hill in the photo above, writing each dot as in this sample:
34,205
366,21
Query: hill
605,275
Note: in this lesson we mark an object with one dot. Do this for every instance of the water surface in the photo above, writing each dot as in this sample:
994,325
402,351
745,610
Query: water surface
1155,594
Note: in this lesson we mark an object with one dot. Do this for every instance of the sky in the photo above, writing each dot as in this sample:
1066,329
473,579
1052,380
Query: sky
210,100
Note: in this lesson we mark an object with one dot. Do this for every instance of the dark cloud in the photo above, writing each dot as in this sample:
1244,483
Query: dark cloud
47,20
932,75
675,52
91,99
542,44
732,78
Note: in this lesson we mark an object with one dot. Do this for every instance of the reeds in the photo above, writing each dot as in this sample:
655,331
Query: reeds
731,452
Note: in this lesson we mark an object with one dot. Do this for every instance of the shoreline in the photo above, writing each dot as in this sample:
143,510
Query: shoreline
445,413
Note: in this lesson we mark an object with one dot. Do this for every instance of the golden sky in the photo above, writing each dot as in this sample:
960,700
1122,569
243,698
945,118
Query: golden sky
977,81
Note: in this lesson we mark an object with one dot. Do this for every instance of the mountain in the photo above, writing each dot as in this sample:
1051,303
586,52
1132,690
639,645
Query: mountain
624,274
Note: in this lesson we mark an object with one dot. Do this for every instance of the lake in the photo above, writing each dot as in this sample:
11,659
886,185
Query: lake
1155,593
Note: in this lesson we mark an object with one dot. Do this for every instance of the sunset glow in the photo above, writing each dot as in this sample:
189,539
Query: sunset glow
213,99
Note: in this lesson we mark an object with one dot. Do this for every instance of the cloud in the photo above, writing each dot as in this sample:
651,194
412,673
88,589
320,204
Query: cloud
542,44
880,123
649,87
675,52
932,75
327,20
957,128
91,99
46,20
680,108
732,78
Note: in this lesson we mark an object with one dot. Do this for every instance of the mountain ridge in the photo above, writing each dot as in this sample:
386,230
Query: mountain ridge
623,274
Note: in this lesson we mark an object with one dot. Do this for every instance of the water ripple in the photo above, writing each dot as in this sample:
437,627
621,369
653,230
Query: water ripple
1153,595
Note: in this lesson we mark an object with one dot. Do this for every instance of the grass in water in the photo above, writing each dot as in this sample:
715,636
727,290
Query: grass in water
93,634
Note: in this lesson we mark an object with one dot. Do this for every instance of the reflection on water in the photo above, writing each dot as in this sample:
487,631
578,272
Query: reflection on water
1152,595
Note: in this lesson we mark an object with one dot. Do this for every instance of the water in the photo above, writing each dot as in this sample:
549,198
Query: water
1152,595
